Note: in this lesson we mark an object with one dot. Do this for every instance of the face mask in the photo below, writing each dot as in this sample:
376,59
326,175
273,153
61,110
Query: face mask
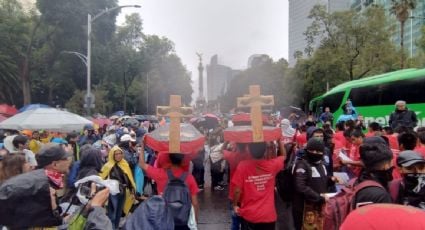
384,176
313,158
415,183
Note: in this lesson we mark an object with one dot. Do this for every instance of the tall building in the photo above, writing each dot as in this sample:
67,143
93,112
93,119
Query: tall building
412,27
218,79
299,21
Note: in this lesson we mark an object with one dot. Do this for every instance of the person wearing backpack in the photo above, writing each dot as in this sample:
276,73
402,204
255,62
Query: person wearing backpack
410,190
376,158
311,180
176,185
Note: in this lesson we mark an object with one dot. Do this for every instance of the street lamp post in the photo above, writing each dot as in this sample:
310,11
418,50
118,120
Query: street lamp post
89,98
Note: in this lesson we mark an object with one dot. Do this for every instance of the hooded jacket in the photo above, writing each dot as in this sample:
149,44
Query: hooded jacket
123,165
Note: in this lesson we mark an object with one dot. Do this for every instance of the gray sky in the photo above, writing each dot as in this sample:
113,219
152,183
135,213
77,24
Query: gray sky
233,29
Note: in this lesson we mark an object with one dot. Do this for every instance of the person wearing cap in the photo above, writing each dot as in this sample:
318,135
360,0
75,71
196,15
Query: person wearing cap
128,145
376,157
89,136
311,179
410,190
402,116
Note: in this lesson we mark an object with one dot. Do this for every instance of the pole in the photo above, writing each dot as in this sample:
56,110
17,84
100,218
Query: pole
88,102
147,93
411,33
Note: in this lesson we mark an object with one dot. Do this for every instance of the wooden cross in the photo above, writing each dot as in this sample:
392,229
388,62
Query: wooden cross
255,100
175,112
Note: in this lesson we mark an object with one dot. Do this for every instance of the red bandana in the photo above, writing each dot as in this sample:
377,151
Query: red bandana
55,178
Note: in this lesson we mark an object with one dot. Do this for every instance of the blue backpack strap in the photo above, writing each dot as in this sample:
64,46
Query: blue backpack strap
183,177
170,175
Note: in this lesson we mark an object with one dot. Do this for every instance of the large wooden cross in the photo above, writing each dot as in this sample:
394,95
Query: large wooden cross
255,100
175,112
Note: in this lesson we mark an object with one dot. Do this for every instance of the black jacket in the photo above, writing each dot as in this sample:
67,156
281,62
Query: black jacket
405,118
310,180
370,195
25,201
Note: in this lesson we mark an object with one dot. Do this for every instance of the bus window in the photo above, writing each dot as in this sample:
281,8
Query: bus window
333,101
410,91
366,96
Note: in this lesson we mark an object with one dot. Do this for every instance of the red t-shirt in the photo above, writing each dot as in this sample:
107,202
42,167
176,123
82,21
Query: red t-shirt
355,156
256,179
161,178
234,158
420,149
301,140
392,141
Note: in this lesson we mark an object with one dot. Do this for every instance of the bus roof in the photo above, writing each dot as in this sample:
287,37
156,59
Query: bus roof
378,79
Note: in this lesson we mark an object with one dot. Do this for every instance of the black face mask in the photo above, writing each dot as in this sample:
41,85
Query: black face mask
383,176
415,183
312,157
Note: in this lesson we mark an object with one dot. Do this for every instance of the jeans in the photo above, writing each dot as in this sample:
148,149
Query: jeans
115,207
236,220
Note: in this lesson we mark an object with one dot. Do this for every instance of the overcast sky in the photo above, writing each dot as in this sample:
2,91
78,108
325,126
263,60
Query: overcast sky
233,29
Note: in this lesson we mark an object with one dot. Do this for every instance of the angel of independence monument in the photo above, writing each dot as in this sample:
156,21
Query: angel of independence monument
200,101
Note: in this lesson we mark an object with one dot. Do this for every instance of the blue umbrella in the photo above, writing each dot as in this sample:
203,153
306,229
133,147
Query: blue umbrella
32,107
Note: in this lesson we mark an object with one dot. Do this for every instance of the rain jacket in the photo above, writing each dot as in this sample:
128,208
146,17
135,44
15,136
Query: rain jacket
123,165
25,201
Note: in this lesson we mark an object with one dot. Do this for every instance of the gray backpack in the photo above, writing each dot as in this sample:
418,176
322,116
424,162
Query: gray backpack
178,198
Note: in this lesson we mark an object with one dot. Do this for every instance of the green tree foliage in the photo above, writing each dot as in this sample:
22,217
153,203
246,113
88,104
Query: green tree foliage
35,67
352,46
14,35
401,9
271,76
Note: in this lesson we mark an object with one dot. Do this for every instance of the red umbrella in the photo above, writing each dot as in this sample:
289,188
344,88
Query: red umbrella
210,115
191,140
245,119
243,134
8,110
102,121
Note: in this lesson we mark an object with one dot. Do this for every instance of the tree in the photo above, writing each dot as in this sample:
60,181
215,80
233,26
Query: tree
271,76
14,34
351,46
401,9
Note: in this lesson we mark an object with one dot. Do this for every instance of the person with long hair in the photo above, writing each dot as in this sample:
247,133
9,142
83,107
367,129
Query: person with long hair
12,165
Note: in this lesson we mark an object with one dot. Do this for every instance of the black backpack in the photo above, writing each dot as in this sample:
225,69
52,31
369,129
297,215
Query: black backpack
178,198
285,178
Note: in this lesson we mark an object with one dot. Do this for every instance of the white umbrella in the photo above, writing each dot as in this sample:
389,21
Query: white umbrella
46,118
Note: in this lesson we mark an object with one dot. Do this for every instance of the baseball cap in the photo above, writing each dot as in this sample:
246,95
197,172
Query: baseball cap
408,158
51,153
127,137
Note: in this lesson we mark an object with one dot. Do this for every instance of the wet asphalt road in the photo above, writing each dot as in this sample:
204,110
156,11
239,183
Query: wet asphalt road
215,213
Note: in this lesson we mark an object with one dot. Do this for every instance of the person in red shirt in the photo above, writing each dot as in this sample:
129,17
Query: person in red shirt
161,177
355,165
256,180
301,138
420,147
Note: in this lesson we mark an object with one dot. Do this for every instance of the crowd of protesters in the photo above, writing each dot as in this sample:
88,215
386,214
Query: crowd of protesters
314,155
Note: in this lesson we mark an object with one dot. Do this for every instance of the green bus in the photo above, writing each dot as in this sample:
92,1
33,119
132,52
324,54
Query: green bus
374,97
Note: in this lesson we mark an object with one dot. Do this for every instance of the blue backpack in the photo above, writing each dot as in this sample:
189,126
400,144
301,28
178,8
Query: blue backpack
152,214
178,198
